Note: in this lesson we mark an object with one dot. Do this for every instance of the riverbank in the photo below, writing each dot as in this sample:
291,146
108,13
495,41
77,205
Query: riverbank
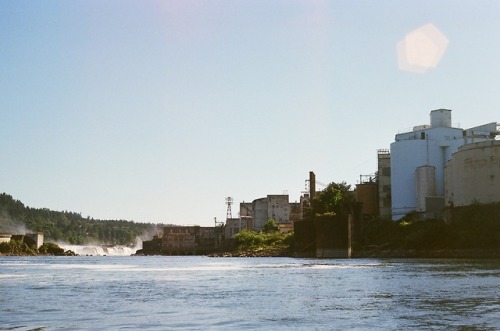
17,248
362,254
375,253
257,252
438,253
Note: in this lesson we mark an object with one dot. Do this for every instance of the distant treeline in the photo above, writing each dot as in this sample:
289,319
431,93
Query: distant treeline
70,227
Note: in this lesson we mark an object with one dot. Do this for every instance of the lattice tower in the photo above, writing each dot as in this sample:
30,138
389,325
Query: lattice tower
229,202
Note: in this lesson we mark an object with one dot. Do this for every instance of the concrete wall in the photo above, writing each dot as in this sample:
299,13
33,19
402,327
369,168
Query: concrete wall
208,239
187,240
246,209
295,211
246,216
305,238
332,237
179,240
367,194
5,237
425,181
232,227
37,238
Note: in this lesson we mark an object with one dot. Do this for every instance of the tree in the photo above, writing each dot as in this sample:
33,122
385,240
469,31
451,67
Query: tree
335,199
270,226
68,226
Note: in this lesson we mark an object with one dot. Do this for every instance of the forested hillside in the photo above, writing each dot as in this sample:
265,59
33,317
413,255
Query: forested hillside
70,227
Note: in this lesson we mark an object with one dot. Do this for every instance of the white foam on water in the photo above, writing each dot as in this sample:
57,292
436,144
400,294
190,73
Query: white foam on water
13,276
96,267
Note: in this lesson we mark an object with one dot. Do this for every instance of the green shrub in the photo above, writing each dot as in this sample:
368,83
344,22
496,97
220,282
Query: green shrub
5,248
247,239
51,248
15,247
270,227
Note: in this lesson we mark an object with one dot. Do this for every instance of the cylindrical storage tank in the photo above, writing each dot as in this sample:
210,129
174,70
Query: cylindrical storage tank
425,184
476,173
441,118
367,193
260,216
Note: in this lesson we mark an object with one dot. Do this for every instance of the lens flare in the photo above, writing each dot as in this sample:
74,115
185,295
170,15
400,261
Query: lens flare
421,49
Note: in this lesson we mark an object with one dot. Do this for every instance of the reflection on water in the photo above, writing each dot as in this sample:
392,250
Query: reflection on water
199,293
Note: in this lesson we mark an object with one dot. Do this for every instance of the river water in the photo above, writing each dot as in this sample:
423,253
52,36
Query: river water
202,293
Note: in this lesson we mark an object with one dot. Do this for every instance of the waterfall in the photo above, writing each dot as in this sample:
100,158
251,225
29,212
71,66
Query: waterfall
103,250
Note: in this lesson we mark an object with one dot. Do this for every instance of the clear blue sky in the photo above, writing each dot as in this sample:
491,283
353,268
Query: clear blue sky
155,111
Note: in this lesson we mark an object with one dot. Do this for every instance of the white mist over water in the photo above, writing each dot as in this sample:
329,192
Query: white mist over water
9,225
96,250
103,250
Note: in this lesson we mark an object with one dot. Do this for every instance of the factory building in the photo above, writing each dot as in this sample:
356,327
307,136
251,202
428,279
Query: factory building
246,215
243,222
190,240
384,183
5,237
274,207
35,239
374,191
179,240
367,195
246,209
235,225
418,159
473,175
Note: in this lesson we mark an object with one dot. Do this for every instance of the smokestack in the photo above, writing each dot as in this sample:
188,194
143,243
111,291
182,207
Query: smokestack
312,184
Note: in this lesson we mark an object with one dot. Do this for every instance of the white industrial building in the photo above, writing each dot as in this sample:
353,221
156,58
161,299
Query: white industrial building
418,159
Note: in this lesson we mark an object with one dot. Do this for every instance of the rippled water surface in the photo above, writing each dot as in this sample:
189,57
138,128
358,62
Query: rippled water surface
200,293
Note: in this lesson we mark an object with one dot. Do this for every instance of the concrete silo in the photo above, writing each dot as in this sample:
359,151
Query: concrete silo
440,118
473,174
